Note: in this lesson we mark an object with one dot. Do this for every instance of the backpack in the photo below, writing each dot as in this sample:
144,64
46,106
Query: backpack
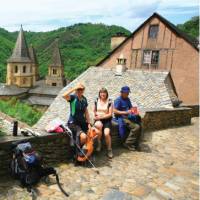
26,165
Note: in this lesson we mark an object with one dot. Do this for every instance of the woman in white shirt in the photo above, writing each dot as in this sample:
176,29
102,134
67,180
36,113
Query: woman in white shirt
103,110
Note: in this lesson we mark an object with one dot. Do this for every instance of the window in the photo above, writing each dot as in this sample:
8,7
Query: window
53,84
16,69
153,31
54,71
24,69
150,57
154,57
147,57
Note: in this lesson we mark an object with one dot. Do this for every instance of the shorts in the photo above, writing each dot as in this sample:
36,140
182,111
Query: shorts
78,128
106,123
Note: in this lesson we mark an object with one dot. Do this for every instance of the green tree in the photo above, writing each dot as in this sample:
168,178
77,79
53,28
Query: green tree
191,27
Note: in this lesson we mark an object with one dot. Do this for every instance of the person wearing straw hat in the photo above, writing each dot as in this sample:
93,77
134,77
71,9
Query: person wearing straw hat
79,119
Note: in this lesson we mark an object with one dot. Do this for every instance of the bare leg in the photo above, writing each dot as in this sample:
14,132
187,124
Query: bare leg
83,138
98,127
107,137
108,142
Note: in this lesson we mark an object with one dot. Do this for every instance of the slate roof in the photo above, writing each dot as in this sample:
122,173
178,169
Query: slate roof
13,90
20,52
32,54
56,60
192,41
148,90
40,100
42,89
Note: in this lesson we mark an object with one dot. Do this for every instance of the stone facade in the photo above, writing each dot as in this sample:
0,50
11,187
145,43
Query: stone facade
55,76
176,53
22,77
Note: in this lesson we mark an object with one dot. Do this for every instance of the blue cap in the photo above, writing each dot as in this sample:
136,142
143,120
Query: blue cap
125,89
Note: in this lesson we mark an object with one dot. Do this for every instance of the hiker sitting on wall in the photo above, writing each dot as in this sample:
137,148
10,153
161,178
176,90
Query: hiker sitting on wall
79,120
125,117
103,109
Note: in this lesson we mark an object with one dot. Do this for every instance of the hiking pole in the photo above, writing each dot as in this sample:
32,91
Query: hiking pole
69,133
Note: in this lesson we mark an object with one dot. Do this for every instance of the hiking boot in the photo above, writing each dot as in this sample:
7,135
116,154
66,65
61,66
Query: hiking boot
98,149
110,153
129,147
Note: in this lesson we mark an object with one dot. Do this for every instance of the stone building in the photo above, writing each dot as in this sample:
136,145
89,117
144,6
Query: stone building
158,45
21,69
55,75
23,80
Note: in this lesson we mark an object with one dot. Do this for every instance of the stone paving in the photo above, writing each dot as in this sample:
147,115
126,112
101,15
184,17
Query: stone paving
167,169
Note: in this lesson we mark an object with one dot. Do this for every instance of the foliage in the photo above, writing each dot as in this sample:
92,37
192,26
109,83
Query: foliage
81,46
191,26
20,111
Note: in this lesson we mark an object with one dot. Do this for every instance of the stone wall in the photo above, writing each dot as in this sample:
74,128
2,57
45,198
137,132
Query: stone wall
194,111
53,148
166,118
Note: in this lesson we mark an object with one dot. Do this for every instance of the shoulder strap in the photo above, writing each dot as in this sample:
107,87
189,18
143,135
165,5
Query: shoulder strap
109,103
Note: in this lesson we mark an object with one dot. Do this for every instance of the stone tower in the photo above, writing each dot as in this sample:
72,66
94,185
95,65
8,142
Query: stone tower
55,75
19,65
34,60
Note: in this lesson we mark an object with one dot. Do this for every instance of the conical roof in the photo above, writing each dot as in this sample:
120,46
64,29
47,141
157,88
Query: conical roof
20,52
32,54
56,57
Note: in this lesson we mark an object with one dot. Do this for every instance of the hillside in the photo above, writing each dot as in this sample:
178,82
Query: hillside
81,46
191,27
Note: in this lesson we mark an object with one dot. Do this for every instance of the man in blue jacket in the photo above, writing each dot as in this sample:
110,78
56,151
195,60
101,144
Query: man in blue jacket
127,120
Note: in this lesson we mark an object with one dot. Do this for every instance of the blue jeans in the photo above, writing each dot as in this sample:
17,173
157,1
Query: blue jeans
121,126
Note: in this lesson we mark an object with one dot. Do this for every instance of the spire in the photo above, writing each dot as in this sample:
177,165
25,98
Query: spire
32,54
20,52
56,58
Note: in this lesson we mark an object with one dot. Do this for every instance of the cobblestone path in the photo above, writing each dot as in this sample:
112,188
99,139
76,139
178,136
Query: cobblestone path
169,170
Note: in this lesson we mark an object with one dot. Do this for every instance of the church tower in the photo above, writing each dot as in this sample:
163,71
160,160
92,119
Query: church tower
55,75
19,65
34,60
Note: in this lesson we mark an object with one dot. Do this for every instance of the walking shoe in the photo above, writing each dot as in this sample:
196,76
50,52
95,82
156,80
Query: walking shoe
110,153
129,147
98,149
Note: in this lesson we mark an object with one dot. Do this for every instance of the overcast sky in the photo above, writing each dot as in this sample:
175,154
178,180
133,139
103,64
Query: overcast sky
43,15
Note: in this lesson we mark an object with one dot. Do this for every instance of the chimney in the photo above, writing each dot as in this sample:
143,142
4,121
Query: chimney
117,39
121,65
